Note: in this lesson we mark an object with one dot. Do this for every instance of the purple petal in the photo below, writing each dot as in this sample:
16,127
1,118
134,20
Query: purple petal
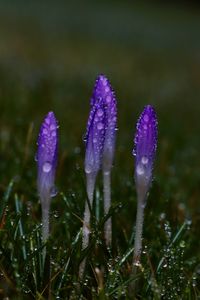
145,143
47,153
95,136
103,92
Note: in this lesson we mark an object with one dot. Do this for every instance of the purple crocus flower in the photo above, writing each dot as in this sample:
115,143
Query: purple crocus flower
144,151
145,147
47,161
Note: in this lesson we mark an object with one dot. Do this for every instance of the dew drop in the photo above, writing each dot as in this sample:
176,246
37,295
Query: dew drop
146,118
107,89
53,133
144,160
47,121
100,112
140,170
88,169
100,126
53,127
108,99
84,138
54,191
104,81
44,131
46,167
56,215
94,140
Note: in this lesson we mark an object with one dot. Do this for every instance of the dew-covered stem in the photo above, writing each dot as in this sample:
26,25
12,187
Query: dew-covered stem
45,219
107,203
90,178
90,182
138,231
45,200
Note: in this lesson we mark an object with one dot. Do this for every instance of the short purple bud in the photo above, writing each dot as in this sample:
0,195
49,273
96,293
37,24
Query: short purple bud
145,147
47,155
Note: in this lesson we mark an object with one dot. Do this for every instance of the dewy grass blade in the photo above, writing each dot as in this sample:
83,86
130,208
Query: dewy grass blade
34,272
5,198
125,284
21,231
176,237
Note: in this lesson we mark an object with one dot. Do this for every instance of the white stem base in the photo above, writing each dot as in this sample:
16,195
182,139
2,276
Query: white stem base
91,177
107,204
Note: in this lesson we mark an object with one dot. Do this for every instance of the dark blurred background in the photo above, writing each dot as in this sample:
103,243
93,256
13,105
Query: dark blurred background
50,55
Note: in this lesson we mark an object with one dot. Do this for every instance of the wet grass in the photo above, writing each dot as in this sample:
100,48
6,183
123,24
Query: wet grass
49,59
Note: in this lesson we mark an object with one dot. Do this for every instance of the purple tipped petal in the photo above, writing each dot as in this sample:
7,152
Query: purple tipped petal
95,136
47,154
145,144
103,92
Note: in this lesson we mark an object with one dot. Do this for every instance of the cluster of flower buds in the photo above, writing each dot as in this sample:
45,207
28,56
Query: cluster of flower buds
100,145
101,128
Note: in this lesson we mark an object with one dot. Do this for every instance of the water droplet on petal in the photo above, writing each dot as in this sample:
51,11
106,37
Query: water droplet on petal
107,89
47,167
100,125
140,170
44,131
144,160
47,120
53,127
146,118
108,99
104,81
100,112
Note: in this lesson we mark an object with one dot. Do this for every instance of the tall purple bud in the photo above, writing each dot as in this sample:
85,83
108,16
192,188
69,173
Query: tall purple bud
47,161
94,139
104,91
144,151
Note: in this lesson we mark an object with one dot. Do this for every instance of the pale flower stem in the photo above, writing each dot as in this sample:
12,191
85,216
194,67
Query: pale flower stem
107,204
45,224
45,221
138,232
138,240
86,220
